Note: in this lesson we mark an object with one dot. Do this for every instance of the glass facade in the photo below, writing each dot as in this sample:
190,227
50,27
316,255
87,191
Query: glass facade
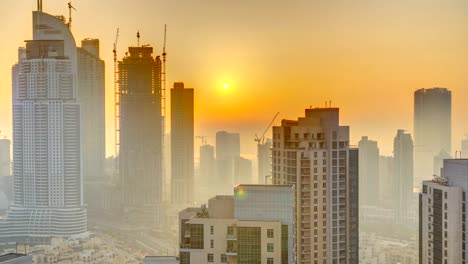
249,239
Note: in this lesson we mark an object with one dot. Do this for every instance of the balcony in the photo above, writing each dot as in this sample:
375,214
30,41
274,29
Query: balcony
231,252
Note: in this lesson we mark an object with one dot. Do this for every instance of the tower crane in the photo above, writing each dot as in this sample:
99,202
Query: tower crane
261,140
70,7
116,96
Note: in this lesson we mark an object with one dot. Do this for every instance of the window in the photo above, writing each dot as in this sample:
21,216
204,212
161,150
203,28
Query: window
223,258
270,247
270,261
270,233
210,258
212,243
212,230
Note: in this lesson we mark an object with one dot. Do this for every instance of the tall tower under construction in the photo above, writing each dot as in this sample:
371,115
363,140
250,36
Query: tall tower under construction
140,136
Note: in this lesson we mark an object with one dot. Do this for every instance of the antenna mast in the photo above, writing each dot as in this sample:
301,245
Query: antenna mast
39,5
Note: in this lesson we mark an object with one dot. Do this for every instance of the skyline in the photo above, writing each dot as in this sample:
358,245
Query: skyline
398,47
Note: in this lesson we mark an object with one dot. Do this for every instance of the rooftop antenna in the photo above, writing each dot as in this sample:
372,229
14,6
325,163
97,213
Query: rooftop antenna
70,7
138,38
39,5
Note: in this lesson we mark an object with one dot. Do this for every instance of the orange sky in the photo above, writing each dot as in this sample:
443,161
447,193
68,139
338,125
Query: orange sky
367,56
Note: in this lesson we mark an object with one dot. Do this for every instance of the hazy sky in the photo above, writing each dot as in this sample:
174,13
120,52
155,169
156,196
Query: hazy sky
366,56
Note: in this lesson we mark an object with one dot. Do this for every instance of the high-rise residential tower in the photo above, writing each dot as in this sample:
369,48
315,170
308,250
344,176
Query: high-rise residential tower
207,172
140,137
403,174
47,157
91,96
432,129
443,223
182,145
368,172
5,159
313,153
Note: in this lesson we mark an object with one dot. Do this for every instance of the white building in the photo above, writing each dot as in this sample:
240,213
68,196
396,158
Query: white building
442,215
46,138
313,153
254,226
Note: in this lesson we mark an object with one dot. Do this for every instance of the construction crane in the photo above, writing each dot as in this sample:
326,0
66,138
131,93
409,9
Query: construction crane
261,140
163,80
116,96
138,38
203,139
70,7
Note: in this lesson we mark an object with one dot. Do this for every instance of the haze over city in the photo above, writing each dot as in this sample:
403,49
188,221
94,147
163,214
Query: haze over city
233,132
367,57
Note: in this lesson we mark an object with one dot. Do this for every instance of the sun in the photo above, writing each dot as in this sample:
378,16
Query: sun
225,86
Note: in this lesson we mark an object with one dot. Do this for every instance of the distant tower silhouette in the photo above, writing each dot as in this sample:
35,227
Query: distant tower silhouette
182,144
140,137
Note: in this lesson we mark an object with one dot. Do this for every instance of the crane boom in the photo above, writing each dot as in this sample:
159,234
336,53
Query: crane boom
261,139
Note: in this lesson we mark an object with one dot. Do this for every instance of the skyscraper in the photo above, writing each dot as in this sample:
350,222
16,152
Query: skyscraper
91,96
369,172
5,159
313,153
386,181
264,161
432,129
403,174
227,151
443,224
46,138
227,145
207,182
182,144
140,137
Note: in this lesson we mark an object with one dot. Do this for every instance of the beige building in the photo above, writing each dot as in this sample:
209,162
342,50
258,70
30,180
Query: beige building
220,233
442,216
313,153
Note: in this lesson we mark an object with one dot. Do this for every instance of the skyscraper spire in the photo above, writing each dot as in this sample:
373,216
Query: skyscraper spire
39,5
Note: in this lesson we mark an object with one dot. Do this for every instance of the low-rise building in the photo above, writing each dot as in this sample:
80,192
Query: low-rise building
256,225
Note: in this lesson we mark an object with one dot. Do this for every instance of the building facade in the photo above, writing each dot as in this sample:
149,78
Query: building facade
264,161
46,138
5,158
403,175
443,215
313,153
91,96
182,144
227,152
254,226
432,129
140,137
369,172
